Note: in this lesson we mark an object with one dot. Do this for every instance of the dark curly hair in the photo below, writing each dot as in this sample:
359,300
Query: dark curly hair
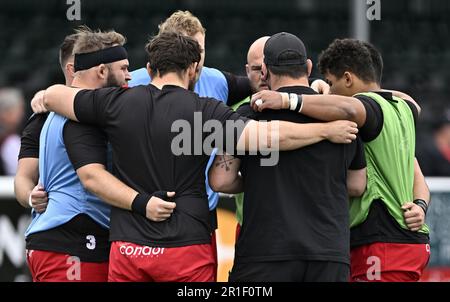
377,60
358,57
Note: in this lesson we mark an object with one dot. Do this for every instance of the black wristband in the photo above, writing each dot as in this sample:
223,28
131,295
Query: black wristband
421,203
139,204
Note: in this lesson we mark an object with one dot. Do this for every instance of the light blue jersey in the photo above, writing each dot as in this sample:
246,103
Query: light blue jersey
213,84
67,197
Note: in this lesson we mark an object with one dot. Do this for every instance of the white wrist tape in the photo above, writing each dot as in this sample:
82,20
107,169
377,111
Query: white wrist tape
293,99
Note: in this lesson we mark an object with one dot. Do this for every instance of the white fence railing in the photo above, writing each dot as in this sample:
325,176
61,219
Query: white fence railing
7,187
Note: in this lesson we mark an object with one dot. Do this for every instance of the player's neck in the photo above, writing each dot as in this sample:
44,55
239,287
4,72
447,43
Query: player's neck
69,79
370,87
82,82
287,82
171,78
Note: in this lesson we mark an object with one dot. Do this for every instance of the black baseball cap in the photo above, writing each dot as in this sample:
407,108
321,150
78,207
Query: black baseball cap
282,43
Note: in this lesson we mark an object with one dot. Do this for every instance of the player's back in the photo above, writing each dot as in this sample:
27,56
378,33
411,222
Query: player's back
157,142
143,124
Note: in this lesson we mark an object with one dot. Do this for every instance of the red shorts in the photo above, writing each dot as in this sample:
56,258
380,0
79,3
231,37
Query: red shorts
214,250
57,267
131,262
389,262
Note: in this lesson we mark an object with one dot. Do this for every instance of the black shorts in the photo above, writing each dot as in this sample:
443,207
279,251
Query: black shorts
290,271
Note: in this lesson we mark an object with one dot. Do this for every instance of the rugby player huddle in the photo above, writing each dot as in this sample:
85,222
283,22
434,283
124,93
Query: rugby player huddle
324,172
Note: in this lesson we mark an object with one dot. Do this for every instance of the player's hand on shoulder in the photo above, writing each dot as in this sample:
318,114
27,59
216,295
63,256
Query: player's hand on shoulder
37,103
266,99
341,132
320,86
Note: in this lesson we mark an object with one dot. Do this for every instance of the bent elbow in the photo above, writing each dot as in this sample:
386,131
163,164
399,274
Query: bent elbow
224,184
354,112
216,184
355,192
88,180
88,184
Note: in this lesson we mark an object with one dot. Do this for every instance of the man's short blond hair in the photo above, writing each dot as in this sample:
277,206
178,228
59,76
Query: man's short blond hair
89,40
182,22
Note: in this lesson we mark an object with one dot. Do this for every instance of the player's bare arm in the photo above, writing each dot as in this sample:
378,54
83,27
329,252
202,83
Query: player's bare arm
224,175
57,98
28,192
291,136
356,182
96,179
322,107
415,212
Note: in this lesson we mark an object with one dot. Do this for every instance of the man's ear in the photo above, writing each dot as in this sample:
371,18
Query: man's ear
102,71
264,72
309,66
247,69
348,78
70,69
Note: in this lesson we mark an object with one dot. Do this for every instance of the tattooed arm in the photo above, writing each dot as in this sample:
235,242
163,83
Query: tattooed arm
224,175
